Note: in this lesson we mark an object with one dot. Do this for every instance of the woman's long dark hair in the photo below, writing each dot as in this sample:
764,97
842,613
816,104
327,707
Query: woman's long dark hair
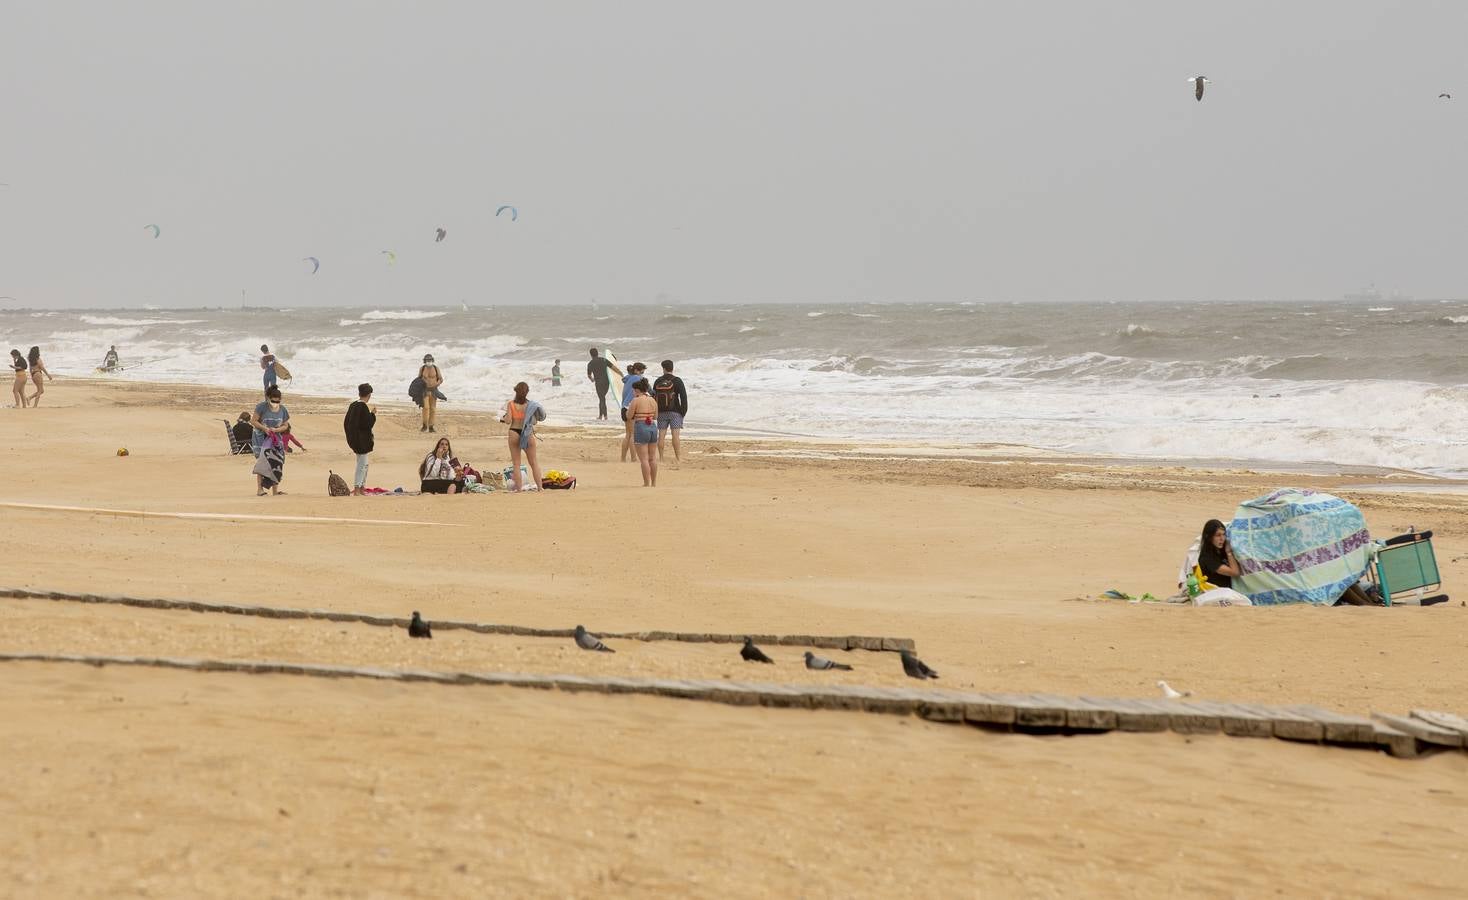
34,356
1206,550
522,391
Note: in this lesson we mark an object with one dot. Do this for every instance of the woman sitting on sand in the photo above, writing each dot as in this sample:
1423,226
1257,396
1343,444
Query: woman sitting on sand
521,414
440,470
642,415
1216,557
38,369
18,388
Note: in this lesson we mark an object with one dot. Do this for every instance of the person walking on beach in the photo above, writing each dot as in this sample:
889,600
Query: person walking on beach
361,416
17,389
38,369
267,365
642,416
521,414
634,375
432,378
270,419
556,374
596,373
672,399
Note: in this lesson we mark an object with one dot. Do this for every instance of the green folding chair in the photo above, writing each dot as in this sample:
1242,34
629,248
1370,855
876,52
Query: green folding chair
1407,565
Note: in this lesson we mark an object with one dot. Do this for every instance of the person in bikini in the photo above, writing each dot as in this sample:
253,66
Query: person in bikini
521,414
18,363
642,419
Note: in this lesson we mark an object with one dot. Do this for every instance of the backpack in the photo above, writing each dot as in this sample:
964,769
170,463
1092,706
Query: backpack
336,486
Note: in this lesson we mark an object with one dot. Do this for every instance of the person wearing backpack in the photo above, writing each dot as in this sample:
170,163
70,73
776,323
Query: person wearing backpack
672,399
361,416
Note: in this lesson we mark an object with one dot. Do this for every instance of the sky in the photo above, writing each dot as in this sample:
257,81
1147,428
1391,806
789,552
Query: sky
752,152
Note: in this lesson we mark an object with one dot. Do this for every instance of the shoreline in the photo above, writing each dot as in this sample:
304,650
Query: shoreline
814,447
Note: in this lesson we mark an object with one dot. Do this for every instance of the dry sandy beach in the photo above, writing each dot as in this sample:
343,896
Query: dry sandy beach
163,783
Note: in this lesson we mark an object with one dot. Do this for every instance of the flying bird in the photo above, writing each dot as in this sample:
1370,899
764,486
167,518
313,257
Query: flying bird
750,653
1171,693
1198,82
440,235
587,641
819,662
914,667
418,628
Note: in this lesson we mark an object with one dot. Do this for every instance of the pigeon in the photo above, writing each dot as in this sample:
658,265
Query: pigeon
590,641
440,235
419,628
1198,82
817,662
750,653
914,667
1172,694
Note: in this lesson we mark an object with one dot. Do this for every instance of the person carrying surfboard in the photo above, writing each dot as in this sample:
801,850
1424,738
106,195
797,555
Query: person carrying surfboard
267,364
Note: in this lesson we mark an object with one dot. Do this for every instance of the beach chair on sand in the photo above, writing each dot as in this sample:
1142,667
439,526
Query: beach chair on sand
236,447
1407,565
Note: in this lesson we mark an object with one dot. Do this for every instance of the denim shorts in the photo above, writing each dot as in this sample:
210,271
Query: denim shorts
670,420
643,433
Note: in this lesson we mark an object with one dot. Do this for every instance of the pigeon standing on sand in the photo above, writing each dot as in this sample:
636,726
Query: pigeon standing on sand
587,641
419,628
750,653
819,662
1171,693
914,667
1198,82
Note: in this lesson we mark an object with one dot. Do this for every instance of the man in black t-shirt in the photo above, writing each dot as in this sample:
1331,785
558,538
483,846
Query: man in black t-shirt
596,373
672,400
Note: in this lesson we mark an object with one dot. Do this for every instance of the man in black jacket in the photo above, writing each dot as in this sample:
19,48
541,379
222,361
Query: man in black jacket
672,400
361,416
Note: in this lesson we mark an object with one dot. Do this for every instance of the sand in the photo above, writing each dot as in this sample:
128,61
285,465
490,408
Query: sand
171,783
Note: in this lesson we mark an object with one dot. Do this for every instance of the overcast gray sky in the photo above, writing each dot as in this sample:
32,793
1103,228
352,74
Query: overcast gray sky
752,151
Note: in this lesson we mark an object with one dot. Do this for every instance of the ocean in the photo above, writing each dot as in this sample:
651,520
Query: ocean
1337,383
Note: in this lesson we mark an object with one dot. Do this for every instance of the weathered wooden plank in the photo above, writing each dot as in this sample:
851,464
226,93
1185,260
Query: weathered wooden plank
986,709
1031,711
1130,715
1398,743
1447,721
1236,721
1288,726
942,706
1339,728
1422,731
1183,718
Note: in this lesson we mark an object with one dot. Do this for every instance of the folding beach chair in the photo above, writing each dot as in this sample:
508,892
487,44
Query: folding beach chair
235,447
1407,565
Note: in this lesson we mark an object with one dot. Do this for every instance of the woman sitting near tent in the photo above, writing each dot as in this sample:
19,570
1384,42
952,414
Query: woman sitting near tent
1216,557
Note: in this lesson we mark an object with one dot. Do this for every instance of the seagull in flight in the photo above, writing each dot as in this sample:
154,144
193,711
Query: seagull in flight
1198,82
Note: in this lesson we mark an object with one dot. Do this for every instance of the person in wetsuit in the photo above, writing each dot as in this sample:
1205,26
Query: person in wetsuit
596,373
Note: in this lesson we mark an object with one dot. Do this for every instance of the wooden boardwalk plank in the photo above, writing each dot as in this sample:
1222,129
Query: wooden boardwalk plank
1130,714
1340,728
1236,721
1422,731
1398,743
1443,720
1288,726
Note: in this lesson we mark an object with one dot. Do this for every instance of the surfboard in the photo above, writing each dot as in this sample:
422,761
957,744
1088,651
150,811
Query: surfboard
281,371
616,391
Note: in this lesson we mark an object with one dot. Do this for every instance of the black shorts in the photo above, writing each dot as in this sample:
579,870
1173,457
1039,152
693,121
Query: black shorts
440,485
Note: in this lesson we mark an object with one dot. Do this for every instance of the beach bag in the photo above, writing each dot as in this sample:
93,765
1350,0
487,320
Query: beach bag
556,480
336,486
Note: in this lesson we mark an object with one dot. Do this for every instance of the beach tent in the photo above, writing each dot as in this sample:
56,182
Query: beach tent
1298,546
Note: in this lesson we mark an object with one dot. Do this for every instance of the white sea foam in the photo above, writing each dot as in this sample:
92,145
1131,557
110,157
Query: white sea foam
377,315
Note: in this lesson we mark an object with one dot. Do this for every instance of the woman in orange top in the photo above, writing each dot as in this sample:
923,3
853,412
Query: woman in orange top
521,414
642,415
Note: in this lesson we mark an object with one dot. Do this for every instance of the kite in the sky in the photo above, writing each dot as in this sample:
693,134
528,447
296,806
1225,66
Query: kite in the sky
155,229
1198,82
1444,96
315,264
514,213
440,235
392,257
